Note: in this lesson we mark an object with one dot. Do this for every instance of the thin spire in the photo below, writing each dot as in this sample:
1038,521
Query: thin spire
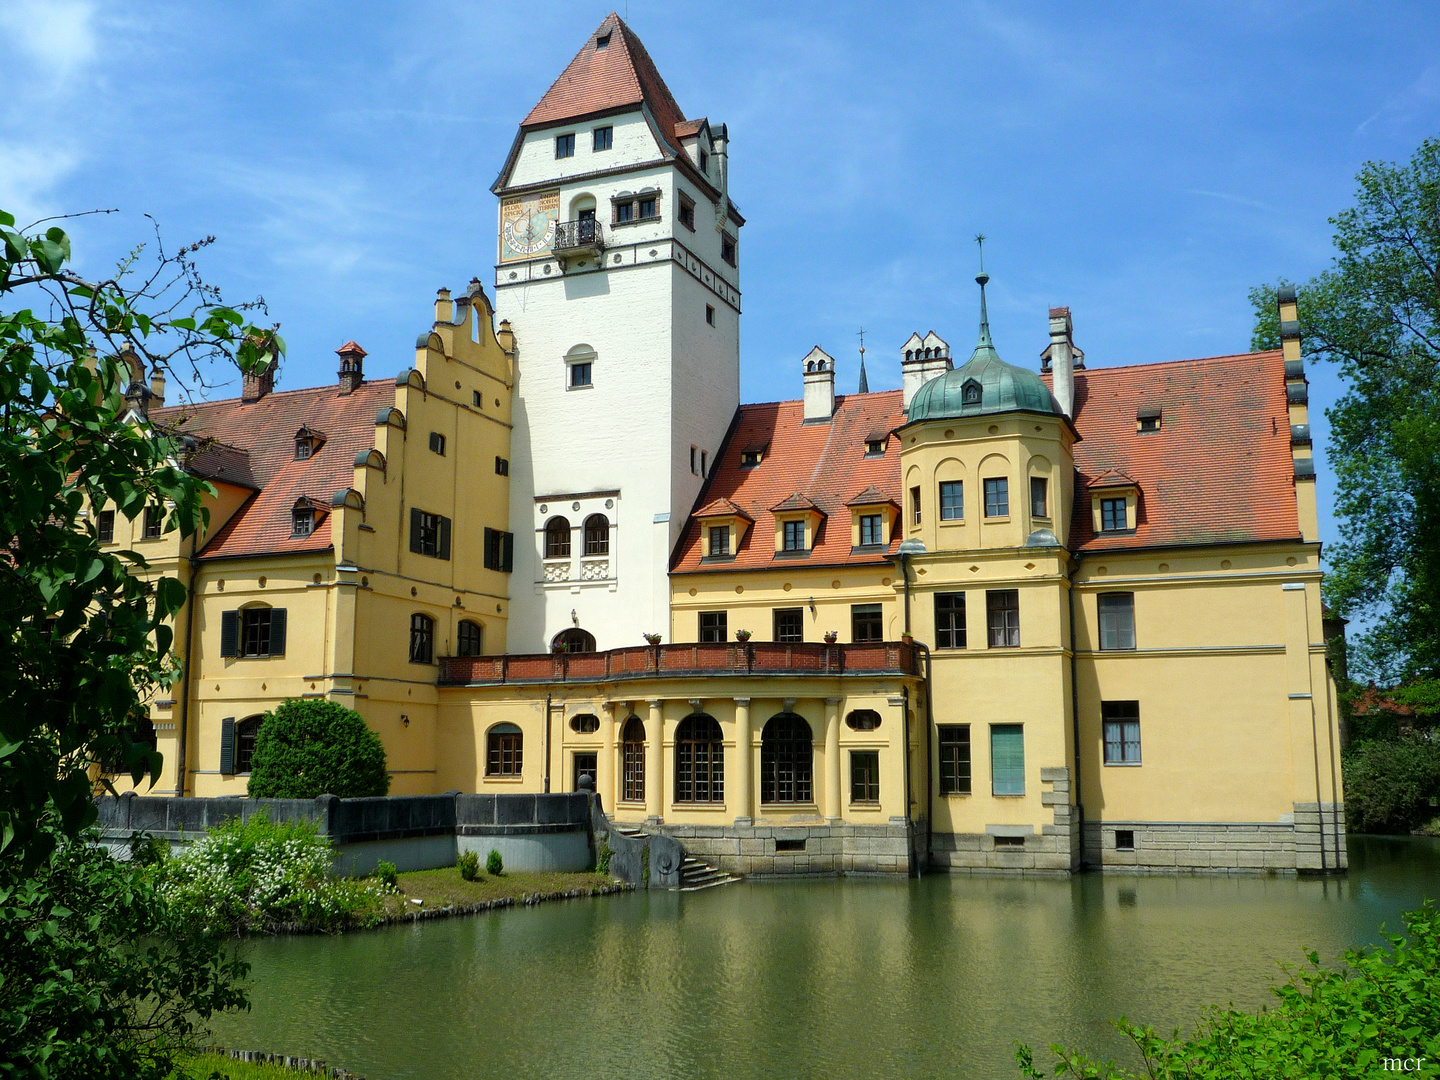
982,279
864,385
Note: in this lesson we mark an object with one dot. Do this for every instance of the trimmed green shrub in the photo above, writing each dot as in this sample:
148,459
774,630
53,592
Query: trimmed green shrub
388,874
469,864
1380,1013
310,747
494,865
1389,784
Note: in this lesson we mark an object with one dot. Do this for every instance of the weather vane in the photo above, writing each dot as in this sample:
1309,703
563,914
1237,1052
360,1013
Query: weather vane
980,242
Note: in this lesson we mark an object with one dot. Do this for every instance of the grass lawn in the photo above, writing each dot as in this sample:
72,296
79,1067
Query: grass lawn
220,1067
446,888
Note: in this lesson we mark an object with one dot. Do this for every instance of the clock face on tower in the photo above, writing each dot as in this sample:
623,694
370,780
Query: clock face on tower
527,225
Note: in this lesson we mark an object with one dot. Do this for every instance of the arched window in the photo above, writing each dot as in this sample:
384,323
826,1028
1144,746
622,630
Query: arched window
786,760
632,753
597,535
502,750
574,640
467,638
585,723
246,732
557,538
971,393
699,760
863,720
422,639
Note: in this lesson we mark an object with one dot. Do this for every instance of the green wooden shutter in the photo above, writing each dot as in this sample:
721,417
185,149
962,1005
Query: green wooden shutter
229,633
227,746
415,530
442,544
507,560
277,631
1007,759
492,549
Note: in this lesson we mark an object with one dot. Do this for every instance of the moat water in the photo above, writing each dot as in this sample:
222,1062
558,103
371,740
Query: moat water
937,977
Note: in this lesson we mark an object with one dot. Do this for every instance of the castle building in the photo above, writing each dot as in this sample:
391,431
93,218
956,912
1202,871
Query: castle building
1001,619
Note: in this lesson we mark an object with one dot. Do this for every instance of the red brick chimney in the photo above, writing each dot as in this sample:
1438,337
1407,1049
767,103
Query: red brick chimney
255,387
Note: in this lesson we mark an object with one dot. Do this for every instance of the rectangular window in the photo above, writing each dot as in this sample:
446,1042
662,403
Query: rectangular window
710,314
106,526
704,161
864,776
954,759
422,639
1117,620
874,447
1039,497
793,535
1124,839
647,208
437,443
1007,759
872,529
261,632
749,459
1002,608
950,620
624,212
429,534
687,213
565,145
704,462
713,626
727,249
579,375
502,466
1121,720
952,500
475,399
302,521
914,506
790,624
604,138
997,497
719,540
1113,517
866,623
499,551
154,521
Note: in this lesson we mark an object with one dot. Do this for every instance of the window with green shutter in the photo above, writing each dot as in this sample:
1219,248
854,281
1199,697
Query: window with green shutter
1007,759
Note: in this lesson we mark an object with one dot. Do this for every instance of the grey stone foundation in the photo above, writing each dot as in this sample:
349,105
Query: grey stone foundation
1314,843
804,850
1018,849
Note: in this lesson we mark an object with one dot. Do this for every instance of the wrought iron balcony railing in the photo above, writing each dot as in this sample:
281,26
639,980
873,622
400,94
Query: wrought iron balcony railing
583,234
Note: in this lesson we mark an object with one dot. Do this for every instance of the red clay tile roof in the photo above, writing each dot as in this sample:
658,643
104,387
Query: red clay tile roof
826,463
1219,470
795,501
265,431
721,508
598,80
872,496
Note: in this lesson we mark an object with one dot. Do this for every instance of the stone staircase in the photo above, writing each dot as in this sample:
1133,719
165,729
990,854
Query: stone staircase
695,874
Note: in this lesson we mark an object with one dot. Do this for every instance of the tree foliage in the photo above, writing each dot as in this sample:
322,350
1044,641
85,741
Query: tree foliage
1389,783
309,747
84,642
1338,1024
1375,314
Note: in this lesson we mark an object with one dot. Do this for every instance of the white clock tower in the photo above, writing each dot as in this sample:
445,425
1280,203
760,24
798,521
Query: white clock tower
618,272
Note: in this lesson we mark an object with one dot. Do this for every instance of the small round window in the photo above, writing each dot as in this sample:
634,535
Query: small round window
863,720
585,723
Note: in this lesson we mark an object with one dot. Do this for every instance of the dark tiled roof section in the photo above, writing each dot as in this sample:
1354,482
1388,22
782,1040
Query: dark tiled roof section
598,80
872,496
795,501
826,463
264,431
213,460
1219,470
720,508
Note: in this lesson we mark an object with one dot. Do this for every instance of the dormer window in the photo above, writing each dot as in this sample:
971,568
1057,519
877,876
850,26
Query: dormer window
602,42
971,393
303,449
302,518
872,530
1147,420
794,539
1113,515
874,447
719,540
307,443
749,459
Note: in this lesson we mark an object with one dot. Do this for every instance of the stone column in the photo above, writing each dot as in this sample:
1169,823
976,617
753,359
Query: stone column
832,760
606,785
654,765
739,771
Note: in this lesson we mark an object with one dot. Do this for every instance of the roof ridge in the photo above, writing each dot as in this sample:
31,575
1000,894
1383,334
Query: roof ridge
275,394
1180,360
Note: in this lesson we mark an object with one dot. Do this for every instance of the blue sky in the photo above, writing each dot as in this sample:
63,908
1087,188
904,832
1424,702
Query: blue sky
1144,163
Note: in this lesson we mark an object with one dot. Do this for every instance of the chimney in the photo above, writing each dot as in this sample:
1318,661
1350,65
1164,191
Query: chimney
819,387
444,308
255,387
157,387
506,337
352,366
721,143
137,394
922,359
1062,359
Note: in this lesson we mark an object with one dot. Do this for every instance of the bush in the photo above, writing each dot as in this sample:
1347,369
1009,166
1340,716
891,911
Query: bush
494,865
1389,784
309,747
387,874
1343,1024
469,866
261,877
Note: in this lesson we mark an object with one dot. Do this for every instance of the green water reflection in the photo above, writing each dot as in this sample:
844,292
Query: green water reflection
930,978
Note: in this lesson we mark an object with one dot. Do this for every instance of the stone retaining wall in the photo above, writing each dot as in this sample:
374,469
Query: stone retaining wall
828,850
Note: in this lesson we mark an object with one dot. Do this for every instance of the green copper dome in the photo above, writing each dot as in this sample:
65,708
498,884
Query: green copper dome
983,385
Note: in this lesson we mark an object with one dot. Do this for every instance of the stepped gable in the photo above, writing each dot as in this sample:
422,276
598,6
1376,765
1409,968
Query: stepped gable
262,435
1219,470
824,464
617,77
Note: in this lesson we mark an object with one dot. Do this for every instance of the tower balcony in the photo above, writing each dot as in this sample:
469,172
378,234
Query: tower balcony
579,238
684,661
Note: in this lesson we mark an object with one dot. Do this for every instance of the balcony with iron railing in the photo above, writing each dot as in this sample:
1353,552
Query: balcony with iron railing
583,236
684,661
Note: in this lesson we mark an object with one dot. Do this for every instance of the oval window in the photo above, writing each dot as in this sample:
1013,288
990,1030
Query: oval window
585,723
863,720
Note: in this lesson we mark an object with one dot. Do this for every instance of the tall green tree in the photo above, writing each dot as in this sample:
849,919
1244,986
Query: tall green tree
84,642
1375,315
